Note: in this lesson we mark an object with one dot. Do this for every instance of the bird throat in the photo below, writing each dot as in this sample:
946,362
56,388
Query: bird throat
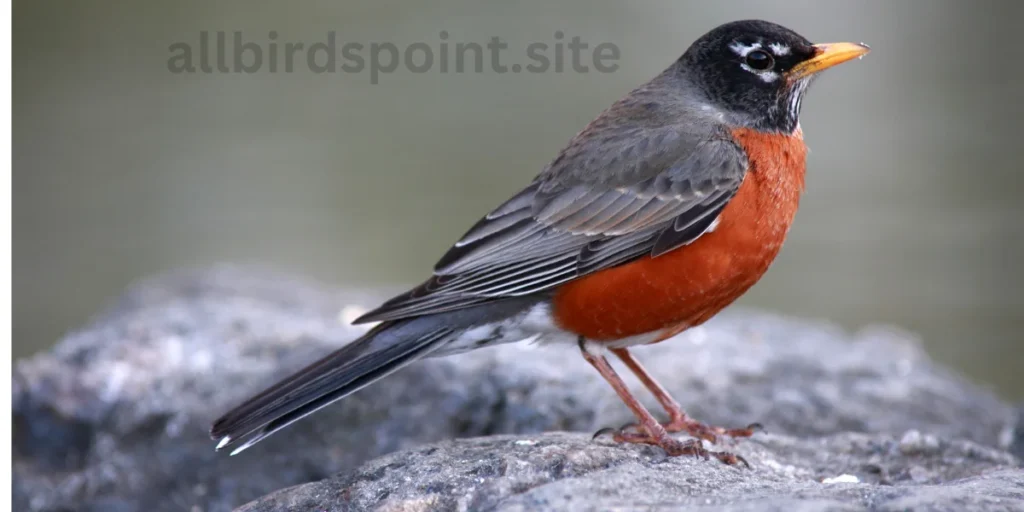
784,115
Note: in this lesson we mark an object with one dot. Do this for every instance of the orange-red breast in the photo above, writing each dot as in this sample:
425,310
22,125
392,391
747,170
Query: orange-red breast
661,212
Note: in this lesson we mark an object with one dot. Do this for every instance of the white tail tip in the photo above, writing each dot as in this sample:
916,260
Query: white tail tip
247,444
223,442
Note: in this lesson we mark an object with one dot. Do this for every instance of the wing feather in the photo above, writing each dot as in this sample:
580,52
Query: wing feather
568,223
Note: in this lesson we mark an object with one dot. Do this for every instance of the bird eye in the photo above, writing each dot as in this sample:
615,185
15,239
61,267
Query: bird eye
760,60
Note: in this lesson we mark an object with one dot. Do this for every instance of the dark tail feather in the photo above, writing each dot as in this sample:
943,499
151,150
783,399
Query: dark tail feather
383,350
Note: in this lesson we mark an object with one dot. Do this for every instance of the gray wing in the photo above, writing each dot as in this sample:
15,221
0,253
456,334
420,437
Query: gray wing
568,223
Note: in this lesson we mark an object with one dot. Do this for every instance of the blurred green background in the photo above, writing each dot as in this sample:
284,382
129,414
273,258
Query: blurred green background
913,212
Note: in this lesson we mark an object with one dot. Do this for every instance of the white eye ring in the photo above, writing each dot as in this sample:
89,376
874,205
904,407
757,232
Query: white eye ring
741,49
779,49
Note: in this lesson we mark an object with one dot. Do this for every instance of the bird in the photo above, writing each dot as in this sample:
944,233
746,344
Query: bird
658,214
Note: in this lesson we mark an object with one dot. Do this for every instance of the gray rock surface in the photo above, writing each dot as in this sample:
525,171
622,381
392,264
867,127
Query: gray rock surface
570,472
115,417
1017,437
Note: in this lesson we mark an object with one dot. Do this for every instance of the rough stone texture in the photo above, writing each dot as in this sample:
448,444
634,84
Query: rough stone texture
115,417
1016,440
570,472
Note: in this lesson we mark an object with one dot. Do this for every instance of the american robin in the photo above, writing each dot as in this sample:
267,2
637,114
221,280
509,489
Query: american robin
659,213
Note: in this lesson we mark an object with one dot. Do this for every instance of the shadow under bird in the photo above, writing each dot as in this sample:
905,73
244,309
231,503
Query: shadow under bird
658,214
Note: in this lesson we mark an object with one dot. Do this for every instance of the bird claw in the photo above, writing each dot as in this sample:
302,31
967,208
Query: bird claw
615,431
731,459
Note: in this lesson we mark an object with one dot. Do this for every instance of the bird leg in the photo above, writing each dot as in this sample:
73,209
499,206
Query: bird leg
678,420
650,431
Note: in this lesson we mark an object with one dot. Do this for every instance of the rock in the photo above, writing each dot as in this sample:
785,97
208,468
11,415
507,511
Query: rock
1016,436
115,417
559,471
913,443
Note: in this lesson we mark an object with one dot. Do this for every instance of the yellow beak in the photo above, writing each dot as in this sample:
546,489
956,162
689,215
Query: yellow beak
828,55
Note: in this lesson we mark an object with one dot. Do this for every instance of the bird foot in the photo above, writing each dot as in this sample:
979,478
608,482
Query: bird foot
709,433
697,429
673,447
